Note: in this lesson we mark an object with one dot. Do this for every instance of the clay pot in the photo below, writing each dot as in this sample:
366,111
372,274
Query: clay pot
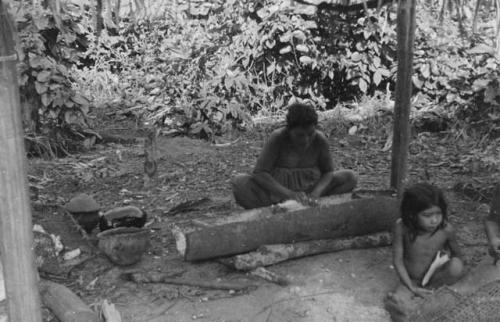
85,210
128,216
124,245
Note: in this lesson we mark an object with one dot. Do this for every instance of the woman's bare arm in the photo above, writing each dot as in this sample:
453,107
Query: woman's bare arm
322,184
325,165
265,180
266,162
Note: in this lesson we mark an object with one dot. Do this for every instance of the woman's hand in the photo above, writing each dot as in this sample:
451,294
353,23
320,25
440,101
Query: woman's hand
303,198
420,291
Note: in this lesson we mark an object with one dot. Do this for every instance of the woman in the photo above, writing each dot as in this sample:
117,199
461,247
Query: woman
295,164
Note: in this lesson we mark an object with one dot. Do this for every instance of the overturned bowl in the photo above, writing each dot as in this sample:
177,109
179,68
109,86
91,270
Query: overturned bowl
85,210
124,245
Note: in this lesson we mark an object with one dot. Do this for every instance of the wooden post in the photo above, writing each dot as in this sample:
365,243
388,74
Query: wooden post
406,36
16,237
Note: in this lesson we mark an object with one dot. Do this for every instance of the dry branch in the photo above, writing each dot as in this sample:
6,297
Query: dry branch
162,278
270,276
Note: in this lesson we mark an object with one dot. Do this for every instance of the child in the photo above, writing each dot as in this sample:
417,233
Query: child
295,164
492,224
423,241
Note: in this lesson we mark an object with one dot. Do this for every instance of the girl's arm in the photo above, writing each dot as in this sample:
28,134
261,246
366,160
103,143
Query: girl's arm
493,234
492,229
491,224
452,242
398,252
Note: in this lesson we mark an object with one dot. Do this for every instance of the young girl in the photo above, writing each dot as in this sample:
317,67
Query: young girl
424,243
295,163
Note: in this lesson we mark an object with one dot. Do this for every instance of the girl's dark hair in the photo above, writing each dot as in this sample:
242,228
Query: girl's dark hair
300,114
418,198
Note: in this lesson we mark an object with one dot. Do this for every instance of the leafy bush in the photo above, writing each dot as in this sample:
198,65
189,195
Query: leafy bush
202,76
463,81
51,106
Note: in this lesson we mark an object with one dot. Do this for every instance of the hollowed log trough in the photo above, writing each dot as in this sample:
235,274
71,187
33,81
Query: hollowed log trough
333,217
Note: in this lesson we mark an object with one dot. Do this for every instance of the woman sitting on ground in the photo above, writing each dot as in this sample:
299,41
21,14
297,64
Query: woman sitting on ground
295,163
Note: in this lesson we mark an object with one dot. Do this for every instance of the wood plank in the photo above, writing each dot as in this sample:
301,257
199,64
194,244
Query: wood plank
248,230
16,237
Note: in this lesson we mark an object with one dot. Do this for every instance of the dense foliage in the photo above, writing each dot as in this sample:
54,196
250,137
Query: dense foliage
206,71
50,44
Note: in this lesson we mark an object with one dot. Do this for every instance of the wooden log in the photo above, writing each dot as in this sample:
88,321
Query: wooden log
248,230
272,254
65,304
16,237
163,278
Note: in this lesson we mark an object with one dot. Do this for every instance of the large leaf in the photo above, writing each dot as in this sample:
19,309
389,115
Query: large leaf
355,57
377,77
306,60
363,86
43,76
491,93
41,87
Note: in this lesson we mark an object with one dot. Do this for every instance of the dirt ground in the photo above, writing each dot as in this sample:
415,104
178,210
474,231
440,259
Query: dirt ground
342,286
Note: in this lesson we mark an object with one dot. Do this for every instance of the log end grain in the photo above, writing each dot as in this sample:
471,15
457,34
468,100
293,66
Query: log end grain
180,241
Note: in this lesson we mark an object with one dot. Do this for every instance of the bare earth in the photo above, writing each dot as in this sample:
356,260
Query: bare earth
343,286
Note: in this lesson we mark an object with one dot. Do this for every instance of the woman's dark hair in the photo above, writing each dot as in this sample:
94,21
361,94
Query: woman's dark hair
300,114
418,198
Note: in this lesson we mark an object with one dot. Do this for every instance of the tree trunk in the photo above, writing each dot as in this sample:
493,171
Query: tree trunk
476,16
116,13
273,254
99,20
401,134
248,230
16,237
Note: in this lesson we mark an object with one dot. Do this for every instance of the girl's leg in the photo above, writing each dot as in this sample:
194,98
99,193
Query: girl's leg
400,303
343,181
449,274
248,193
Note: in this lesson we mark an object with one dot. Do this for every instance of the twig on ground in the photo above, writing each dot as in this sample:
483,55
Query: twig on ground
270,306
162,278
162,310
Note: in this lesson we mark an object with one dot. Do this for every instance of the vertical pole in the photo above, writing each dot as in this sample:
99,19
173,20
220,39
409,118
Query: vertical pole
401,135
16,236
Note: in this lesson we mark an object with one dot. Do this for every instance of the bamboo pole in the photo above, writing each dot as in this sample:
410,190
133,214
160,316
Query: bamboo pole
401,134
16,237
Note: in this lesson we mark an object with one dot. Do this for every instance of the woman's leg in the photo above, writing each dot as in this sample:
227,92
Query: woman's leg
248,193
343,181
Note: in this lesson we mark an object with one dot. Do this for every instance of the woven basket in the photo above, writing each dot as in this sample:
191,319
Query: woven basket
124,245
